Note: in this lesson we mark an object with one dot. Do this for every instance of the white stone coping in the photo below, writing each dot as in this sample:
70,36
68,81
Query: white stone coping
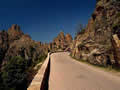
37,81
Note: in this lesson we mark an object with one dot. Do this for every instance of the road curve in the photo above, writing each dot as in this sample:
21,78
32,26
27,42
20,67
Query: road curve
68,74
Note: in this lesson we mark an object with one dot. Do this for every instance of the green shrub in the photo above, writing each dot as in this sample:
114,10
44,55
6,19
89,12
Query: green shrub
13,75
118,15
16,74
116,28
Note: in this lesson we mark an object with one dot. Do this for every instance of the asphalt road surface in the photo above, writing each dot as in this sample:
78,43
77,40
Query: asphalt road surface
69,74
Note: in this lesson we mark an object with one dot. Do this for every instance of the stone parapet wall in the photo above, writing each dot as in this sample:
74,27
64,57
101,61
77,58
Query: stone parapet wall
40,81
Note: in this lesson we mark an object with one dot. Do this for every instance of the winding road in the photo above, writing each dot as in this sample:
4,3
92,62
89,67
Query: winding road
69,74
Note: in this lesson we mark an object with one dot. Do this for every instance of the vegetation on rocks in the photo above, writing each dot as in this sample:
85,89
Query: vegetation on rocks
18,73
14,75
19,54
95,45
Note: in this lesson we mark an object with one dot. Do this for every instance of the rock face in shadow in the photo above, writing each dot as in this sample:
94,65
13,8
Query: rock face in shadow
15,43
3,44
95,45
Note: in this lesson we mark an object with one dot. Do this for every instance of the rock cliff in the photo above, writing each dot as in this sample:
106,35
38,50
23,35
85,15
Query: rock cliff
15,43
61,42
95,45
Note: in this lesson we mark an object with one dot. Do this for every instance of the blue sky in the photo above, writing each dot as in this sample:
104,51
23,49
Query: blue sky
44,19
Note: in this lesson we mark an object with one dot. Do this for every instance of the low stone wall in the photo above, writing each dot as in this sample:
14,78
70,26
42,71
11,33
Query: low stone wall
40,81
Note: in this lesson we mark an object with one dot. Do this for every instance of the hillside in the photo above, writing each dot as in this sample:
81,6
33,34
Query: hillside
18,56
97,44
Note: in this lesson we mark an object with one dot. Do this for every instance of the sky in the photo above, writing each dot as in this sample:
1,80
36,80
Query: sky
44,19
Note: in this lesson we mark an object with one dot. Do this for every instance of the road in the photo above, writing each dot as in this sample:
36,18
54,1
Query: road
69,74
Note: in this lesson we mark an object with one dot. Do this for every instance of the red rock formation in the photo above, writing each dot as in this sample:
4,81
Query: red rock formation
14,33
16,43
68,38
61,42
95,44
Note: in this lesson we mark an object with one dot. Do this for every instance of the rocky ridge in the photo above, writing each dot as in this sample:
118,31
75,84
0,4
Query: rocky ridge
61,43
15,43
95,45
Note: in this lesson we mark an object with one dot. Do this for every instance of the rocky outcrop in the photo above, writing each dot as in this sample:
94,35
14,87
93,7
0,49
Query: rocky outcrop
61,42
95,44
68,38
19,55
15,43
116,45
14,33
